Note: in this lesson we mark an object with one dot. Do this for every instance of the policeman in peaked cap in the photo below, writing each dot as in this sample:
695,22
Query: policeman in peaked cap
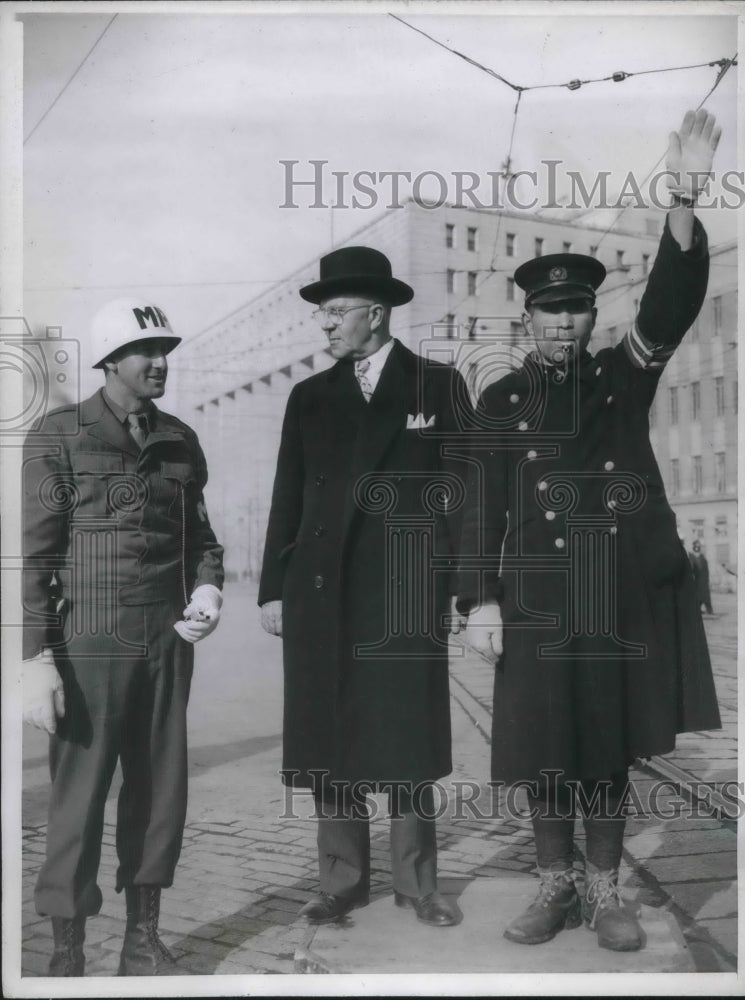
604,657
114,513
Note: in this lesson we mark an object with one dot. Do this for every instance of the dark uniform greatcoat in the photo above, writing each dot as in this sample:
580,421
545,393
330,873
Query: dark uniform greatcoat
358,548
568,526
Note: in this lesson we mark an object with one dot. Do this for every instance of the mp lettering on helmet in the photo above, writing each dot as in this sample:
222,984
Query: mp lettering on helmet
150,314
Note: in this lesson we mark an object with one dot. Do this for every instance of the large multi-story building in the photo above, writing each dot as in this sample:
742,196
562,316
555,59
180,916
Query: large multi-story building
233,378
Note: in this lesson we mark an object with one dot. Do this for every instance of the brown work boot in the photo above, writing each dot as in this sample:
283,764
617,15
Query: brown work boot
555,907
605,913
143,952
68,958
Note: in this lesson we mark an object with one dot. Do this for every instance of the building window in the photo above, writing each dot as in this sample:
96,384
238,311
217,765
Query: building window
674,476
566,246
472,320
619,260
472,286
510,289
473,238
719,390
449,236
516,330
721,471
696,400
451,280
510,245
645,264
673,405
717,303
538,246
593,251
698,474
450,325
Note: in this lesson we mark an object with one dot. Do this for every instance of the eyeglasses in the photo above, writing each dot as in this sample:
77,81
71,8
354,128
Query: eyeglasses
336,315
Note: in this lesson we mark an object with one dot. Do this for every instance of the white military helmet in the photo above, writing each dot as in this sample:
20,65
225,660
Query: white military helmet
125,321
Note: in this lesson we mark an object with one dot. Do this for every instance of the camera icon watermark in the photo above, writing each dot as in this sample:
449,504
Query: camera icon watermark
37,374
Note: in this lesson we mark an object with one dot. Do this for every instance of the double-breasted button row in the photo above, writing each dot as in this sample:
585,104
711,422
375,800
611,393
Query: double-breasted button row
319,531
320,479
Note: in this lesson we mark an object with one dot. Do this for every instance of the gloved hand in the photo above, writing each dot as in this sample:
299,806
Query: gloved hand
271,617
458,621
690,153
485,630
201,614
43,694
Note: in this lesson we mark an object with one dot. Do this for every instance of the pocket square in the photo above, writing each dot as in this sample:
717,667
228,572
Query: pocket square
415,422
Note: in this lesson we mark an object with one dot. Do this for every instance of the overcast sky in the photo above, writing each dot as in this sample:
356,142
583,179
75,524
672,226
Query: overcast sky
158,168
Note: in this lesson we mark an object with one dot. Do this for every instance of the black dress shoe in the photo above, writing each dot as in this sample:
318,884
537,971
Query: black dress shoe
325,908
431,909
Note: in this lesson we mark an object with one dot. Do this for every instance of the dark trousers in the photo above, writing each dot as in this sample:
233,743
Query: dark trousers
128,705
553,822
344,846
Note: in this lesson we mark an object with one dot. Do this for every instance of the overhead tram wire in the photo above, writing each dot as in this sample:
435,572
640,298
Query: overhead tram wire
75,73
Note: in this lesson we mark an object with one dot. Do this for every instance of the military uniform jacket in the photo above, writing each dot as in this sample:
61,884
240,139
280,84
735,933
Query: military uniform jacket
359,548
109,523
567,525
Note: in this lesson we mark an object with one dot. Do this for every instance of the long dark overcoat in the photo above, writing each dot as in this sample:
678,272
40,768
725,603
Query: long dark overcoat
359,549
605,657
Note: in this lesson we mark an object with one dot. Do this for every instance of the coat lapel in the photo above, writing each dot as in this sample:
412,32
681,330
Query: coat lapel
101,423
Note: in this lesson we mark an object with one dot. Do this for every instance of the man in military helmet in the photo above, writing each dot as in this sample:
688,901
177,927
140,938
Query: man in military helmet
115,523
604,657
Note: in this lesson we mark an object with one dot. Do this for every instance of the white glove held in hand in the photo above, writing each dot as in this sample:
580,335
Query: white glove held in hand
690,153
201,615
271,617
43,694
485,630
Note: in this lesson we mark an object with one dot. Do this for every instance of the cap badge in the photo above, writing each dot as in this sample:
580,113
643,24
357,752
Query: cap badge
557,274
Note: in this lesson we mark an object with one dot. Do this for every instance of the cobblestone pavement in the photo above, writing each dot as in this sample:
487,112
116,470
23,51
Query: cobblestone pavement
248,861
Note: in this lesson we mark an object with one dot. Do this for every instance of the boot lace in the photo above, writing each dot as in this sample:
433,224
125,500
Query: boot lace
152,928
602,893
551,883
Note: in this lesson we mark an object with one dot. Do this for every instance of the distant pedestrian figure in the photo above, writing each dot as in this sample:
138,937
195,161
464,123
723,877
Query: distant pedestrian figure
700,568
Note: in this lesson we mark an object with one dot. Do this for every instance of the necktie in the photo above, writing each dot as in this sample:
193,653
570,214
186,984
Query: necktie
360,370
138,427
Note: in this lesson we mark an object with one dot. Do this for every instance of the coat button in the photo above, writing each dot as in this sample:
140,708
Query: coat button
514,398
609,466
559,543
532,454
550,515
598,370
320,480
614,530
318,582
319,531
522,426
543,485
609,400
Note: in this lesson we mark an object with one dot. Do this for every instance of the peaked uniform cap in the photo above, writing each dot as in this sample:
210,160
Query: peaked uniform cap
357,271
560,276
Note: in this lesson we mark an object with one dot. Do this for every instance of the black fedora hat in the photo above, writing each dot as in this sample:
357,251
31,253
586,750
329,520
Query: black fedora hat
357,271
559,276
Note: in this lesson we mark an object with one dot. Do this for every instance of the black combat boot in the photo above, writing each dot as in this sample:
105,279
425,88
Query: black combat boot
143,951
68,958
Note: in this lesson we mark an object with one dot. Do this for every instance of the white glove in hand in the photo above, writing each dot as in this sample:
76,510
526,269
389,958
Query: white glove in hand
43,694
485,630
271,617
201,614
690,153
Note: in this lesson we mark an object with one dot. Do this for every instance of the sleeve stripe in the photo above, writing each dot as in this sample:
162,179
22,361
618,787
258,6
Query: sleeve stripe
642,354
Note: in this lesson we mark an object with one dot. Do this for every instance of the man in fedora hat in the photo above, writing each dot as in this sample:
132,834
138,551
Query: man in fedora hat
604,656
364,499
122,575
